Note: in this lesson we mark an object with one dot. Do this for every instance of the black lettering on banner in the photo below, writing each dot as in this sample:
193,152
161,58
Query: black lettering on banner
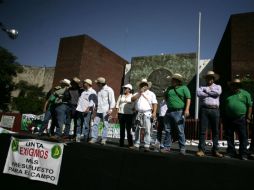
15,170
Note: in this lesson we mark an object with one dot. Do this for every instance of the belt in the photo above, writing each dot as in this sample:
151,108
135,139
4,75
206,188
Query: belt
175,109
147,111
210,106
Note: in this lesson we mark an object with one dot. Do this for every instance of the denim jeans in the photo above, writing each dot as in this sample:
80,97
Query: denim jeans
160,128
83,124
174,119
239,126
105,118
209,117
147,135
62,115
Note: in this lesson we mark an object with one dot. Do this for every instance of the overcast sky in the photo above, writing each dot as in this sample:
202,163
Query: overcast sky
130,28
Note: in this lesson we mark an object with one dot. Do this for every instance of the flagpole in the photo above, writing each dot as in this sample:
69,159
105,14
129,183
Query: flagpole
197,69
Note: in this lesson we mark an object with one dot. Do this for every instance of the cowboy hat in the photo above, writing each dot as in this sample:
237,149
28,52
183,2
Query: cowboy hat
144,81
76,79
235,81
88,81
176,76
66,82
212,74
100,80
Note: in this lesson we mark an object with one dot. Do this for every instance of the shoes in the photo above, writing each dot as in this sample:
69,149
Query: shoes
251,156
92,141
133,147
103,141
55,137
217,154
200,153
243,157
65,137
183,152
228,155
78,138
147,149
165,150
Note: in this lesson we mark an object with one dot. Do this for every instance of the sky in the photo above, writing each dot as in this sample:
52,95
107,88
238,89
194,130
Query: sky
130,28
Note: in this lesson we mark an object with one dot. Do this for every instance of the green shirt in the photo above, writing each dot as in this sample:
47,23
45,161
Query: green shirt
237,105
51,101
173,100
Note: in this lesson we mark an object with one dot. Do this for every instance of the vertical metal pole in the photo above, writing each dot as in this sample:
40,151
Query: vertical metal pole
197,69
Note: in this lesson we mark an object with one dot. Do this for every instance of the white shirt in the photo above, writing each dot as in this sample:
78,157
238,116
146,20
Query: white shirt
124,104
163,108
87,99
145,101
106,99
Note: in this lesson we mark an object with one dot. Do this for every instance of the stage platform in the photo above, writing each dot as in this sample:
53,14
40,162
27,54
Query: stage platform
86,166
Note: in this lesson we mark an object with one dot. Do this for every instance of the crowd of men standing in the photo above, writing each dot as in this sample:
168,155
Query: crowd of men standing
88,108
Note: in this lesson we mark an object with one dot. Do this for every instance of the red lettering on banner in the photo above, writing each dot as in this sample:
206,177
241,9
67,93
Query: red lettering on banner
38,153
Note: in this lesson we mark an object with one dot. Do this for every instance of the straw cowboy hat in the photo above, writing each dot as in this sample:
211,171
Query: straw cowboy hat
76,79
128,86
144,81
176,76
100,80
212,74
66,82
235,81
88,81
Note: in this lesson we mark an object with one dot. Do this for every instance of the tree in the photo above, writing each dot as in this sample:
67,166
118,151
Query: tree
30,100
9,69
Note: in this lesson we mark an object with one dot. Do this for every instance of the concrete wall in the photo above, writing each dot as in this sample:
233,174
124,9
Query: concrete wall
38,76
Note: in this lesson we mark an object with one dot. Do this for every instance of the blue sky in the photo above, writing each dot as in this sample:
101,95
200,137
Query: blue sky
130,28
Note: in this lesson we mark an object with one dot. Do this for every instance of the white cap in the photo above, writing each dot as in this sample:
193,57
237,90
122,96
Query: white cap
128,86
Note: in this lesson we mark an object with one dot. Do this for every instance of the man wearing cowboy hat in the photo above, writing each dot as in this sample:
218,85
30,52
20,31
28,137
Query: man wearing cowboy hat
209,96
86,104
106,103
62,108
75,92
146,106
178,101
238,109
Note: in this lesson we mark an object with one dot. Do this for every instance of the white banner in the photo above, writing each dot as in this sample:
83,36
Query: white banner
2,130
7,121
34,159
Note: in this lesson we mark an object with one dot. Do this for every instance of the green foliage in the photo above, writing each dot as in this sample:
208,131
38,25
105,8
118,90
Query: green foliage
30,100
28,104
9,69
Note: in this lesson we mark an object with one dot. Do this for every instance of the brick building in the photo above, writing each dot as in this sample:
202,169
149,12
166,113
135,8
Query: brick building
84,57
235,54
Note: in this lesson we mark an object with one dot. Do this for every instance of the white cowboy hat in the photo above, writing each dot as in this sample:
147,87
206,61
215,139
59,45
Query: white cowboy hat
144,81
235,81
66,81
176,76
88,81
76,80
212,74
100,80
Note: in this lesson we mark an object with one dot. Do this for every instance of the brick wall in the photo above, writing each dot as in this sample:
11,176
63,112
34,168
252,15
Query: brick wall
84,57
235,52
